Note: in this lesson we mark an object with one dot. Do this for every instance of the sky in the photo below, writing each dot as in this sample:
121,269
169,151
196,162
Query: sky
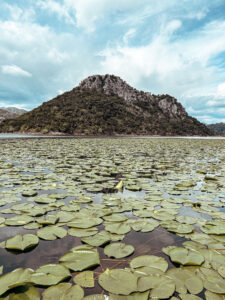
174,47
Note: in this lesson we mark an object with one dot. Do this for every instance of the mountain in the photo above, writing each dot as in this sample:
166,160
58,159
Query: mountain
218,128
105,104
10,113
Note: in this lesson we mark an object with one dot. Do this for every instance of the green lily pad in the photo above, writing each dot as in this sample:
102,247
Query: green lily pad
194,285
63,291
50,274
119,282
118,228
80,232
51,233
115,218
212,296
85,279
118,250
149,261
97,240
19,220
30,294
164,289
186,257
16,278
189,297
22,242
133,296
85,222
80,258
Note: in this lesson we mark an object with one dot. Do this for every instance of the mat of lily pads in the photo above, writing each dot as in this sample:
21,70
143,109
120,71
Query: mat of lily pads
112,218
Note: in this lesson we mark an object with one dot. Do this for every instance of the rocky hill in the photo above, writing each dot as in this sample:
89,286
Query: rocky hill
218,128
10,113
108,105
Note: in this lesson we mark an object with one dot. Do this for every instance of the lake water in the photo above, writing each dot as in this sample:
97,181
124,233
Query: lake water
169,176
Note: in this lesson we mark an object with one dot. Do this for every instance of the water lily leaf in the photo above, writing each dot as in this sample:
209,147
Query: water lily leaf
75,293
50,274
115,218
80,232
189,297
118,250
149,261
118,281
95,297
221,271
97,240
164,289
63,291
22,242
186,219
16,278
144,225
31,294
186,257
29,193
194,285
51,233
85,279
177,227
48,220
85,222
118,228
18,220
214,284
80,258
133,296
212,296
56,291
31,226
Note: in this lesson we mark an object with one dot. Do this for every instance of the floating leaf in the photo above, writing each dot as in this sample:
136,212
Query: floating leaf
16,278
22,242
118,281
118,228
18,220
80,258
149,261
118,250
186,257
85,279
50,274
97,240
51,233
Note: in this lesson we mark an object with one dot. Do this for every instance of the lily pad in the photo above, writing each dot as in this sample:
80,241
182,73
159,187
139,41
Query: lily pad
98,239
85,279
149,261
22,242
119,282
80,258
50,274
118,250
63,291
51,233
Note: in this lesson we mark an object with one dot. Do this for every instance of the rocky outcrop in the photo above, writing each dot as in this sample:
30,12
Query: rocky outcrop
114,85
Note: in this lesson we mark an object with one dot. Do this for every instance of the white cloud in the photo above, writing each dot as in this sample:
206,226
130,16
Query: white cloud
129,35
54,7
15,71
221,90
173,66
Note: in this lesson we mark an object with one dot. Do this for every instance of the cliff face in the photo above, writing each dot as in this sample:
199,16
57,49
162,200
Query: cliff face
105,104
113,85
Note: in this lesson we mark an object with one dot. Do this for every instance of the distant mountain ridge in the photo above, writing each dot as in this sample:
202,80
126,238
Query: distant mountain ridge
218,128
10,112
106,104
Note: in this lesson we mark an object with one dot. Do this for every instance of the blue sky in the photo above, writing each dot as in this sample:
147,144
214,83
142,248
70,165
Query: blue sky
168,46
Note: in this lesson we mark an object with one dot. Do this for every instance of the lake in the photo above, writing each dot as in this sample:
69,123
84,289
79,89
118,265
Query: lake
148,209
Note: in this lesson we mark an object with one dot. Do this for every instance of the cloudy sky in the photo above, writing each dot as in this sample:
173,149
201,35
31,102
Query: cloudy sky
168,46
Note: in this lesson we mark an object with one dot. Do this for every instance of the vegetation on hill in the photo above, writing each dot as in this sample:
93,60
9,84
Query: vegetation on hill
218,128
90,112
